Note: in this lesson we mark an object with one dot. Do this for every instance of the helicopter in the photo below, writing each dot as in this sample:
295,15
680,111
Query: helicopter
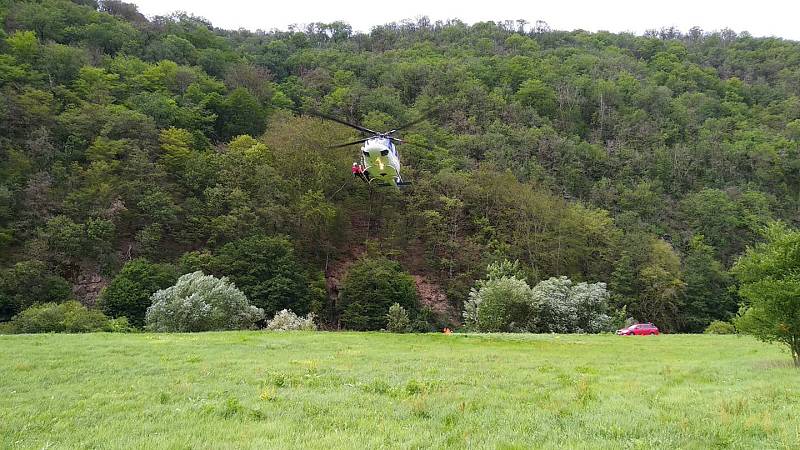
379,161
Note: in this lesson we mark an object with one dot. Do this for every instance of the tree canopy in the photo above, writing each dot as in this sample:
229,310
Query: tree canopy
770,283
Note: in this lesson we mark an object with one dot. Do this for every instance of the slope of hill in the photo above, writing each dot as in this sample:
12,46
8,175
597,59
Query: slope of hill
648,162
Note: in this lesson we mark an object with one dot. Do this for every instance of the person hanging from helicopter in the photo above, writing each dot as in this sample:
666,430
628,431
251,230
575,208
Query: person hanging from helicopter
358,171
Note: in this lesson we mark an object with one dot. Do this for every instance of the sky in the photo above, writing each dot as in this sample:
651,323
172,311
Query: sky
760,18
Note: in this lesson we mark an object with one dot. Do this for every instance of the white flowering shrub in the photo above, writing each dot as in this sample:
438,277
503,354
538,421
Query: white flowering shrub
500,304
556,311
470,313
286,320
199,302
591,305
564,307
503,301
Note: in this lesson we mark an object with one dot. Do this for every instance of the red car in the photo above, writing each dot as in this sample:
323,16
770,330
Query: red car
640,329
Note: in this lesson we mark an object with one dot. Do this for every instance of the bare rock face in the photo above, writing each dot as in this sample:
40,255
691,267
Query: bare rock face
88,286
431,295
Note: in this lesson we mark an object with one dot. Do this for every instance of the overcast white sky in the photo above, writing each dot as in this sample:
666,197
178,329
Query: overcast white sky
759,17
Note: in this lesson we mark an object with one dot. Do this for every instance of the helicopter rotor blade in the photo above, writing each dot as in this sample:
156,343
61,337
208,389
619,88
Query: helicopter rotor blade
401,142
337,120
424,117
349,143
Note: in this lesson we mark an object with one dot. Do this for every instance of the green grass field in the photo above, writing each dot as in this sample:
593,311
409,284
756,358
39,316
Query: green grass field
355,390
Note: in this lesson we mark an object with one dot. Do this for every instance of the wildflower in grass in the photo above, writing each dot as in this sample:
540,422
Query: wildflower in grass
268,394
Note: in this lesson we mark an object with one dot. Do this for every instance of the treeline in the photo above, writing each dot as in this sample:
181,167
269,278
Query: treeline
645,162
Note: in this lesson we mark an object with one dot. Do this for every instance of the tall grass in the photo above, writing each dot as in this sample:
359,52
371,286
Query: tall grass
348,390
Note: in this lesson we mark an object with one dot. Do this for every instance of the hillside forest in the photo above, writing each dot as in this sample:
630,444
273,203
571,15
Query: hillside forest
134,150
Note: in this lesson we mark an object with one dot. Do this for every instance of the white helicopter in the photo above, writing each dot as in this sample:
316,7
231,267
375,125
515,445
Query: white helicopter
379,159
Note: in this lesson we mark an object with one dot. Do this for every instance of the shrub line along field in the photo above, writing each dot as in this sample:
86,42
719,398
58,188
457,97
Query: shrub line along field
254,389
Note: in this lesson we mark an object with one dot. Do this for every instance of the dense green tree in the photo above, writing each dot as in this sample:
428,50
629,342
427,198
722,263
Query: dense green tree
70,243
662,298
373,285
238,113
266,269
770,284
62,63
708,295
173,48
128,294
24,46
500,304
27,283
397,320
538,95
732,222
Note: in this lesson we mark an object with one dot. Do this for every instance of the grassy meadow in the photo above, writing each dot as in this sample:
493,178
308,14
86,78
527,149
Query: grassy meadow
355,390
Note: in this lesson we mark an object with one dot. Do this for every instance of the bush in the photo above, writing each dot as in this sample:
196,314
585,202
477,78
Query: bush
501,304
372,285
128,294
199,302
554,305
426,321
397,320
7,328
556,312
286,320
564,307
120,325
68,317
720,327
30,282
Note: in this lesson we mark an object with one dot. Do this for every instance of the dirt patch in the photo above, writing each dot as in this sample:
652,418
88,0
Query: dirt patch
432,296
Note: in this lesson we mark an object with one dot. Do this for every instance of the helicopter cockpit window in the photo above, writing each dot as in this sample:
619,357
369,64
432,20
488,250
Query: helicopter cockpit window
384,152
366,153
